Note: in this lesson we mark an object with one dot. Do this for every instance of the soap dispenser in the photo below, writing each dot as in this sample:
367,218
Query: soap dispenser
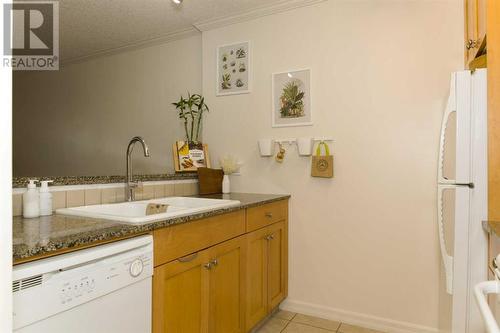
45,198
31,204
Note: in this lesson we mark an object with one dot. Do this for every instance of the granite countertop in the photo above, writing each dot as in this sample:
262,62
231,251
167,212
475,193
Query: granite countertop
20,182
40,236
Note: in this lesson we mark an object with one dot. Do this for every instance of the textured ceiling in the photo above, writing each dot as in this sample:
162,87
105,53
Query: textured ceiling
89,27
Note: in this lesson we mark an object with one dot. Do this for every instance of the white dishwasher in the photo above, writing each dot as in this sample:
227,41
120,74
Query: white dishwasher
104,289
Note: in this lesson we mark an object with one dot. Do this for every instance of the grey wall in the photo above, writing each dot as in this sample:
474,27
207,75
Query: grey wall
78,121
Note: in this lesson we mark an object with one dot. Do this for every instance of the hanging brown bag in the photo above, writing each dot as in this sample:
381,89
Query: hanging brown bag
322,165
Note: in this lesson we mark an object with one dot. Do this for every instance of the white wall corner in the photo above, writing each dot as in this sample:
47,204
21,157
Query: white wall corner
355,318
253,14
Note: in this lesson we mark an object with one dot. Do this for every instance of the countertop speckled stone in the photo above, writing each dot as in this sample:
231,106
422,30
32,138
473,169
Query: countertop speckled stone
42,236
20,182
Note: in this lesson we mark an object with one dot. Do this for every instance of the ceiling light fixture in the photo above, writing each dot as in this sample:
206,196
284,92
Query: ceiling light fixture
177,2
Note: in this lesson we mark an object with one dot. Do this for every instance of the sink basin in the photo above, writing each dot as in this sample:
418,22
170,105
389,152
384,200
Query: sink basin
135,212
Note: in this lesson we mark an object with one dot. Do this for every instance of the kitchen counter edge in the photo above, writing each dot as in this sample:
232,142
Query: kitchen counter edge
43,237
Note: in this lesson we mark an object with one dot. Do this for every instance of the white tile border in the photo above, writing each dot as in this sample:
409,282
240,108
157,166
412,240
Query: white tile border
103,186
355,318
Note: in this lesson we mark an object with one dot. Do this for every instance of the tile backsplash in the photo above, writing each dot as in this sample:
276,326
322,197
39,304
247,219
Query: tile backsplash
80,195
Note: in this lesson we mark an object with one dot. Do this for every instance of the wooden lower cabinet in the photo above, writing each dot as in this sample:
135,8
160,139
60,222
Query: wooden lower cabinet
227,287
203,292
180,295
277,264
267,267
231,274
257,258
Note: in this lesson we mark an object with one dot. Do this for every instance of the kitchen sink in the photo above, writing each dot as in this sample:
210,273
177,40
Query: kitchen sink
135,212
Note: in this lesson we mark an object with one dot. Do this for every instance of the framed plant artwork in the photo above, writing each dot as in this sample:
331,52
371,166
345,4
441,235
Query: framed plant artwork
292,98
233,66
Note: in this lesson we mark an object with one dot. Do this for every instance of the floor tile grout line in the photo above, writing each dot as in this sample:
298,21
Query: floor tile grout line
321,328
287,323
326,329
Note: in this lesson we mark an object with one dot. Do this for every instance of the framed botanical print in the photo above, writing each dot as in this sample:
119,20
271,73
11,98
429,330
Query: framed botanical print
291,91
233,69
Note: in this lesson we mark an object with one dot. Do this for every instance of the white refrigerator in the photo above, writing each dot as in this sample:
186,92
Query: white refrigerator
462,202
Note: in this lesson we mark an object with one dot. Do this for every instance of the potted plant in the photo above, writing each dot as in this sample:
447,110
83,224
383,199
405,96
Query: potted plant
191,152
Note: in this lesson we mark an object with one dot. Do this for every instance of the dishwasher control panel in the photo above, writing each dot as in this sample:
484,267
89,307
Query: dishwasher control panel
103,279
73,285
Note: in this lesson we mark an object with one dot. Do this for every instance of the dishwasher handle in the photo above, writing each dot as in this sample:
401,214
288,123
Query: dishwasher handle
481,291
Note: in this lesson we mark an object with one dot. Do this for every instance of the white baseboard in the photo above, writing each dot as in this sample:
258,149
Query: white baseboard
354,318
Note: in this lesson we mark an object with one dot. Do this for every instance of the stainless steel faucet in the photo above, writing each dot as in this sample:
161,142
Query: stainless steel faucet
130,186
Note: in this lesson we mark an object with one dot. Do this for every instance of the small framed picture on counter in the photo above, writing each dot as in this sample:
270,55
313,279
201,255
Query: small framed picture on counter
189,156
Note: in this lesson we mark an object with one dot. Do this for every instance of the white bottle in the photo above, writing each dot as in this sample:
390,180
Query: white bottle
31,204
45,198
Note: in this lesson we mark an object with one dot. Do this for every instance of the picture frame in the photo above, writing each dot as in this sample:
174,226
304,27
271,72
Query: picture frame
180,159
291,98
233,63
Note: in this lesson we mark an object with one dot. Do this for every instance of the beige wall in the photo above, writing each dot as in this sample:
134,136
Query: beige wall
78,121
363,246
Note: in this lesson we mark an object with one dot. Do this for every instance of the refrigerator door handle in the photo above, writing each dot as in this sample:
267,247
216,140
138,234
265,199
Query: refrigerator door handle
450,108
447,259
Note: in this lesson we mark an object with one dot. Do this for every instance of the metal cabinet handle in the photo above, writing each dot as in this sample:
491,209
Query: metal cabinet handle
471,44
214,262
269,237
207,266
269,215
188,258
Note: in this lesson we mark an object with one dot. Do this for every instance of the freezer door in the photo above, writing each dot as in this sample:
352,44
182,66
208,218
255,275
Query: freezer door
453,225
455,139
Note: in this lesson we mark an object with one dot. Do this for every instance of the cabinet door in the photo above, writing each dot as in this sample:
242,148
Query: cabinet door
481,20
470,30
475,27
227,279
277,264
257,263
180,295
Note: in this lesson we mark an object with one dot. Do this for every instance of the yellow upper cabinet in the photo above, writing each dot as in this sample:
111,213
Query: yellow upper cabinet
493,110
475,28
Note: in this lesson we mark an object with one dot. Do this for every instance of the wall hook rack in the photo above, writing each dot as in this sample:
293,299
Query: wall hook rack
316,139
304,144
286,141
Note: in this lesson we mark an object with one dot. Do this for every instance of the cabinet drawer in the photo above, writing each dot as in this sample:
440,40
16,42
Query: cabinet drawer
180,240
261,216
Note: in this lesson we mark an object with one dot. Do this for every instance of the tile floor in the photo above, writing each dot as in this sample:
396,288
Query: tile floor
289,322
